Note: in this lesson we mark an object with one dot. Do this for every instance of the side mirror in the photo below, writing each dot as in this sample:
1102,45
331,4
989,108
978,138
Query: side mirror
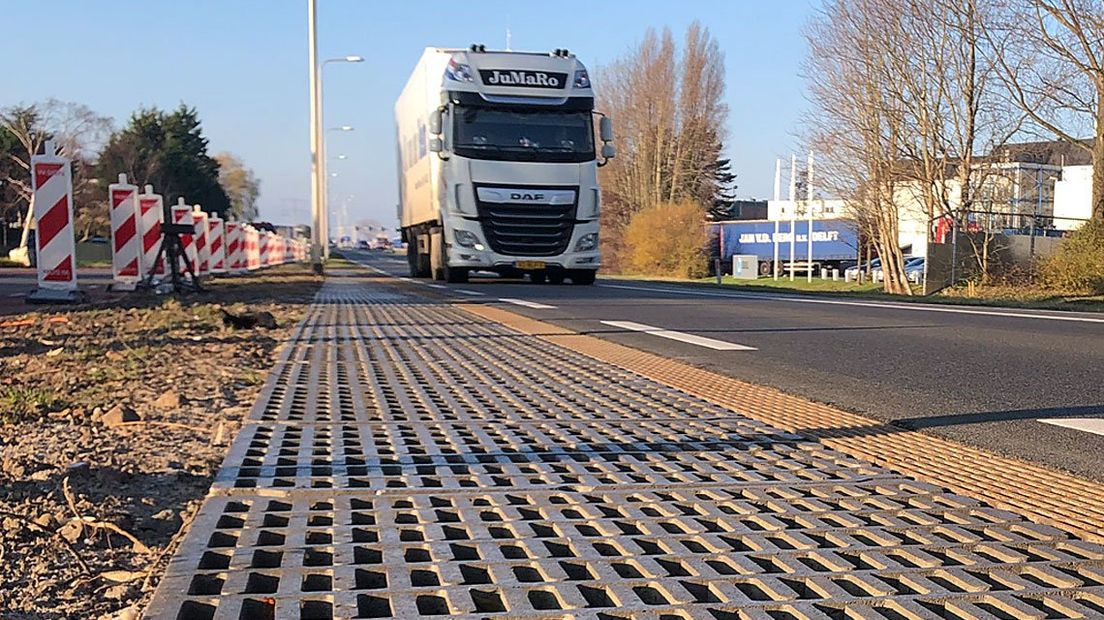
435,145
605,129
435,122
608,151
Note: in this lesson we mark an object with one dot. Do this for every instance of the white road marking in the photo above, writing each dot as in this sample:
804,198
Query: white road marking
868,304
527,304
1088,425
701,341
435,285
467,292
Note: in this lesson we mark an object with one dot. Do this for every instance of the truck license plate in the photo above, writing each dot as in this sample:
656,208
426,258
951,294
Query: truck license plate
530,264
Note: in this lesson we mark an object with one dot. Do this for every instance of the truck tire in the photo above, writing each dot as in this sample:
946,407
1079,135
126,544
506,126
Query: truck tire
452,275
583,277
765,268
412,259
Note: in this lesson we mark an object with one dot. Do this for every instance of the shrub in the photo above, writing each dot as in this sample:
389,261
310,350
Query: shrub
22,404
668,239
1078,265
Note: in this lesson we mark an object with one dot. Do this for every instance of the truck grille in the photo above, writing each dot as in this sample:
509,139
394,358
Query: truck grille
518,228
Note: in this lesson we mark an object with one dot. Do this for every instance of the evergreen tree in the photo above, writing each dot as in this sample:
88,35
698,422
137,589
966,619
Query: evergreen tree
169,151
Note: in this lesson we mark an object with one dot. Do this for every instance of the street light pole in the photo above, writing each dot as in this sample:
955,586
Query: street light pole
322,149
317,235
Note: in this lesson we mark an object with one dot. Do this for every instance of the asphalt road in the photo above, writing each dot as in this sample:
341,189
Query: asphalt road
16,282
983,376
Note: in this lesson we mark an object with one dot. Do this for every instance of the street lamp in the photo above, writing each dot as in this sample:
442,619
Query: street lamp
325,181
322,141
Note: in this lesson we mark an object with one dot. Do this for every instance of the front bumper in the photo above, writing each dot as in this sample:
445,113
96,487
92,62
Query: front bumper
486,258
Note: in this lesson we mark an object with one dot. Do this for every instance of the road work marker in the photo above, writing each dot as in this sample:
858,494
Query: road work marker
52,178
1088,425
151,213
203,250
701,341
182,214
527,304
126,243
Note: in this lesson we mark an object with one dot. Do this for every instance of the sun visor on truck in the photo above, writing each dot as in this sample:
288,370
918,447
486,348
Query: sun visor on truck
572,104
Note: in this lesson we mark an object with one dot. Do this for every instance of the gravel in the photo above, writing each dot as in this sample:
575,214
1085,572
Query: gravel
113,421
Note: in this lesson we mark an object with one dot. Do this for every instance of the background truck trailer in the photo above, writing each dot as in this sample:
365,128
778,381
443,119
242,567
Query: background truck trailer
498,165
835,243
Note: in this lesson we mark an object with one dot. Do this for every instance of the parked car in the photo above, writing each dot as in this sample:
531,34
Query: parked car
877,275
852,273
914,269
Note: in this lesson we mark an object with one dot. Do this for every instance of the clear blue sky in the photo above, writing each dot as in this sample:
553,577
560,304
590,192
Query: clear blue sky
243,64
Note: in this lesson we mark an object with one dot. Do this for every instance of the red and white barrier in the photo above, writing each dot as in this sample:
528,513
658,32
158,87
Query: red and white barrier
235,254
252,248
151,213
52,180
216,242
182,214
263,249
203,250
126,244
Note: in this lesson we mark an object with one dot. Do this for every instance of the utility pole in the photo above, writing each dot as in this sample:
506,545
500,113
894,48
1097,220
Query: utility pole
318,238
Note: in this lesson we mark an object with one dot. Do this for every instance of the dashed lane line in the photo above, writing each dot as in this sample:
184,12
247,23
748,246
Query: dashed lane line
1088,425
701,341
471,293
527,304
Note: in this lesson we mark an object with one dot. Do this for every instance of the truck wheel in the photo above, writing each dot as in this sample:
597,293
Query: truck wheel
413,260
583,276
765,268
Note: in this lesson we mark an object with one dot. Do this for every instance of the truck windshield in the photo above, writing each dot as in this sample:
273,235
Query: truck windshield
529,135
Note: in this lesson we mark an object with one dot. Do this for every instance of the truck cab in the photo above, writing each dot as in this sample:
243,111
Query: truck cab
499,166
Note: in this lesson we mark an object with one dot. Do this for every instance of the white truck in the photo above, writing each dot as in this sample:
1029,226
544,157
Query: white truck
498,169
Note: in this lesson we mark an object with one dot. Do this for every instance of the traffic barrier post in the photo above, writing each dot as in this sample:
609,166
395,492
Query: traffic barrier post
203,250
262,247
216,241
234,253
252,248
126,244
181,213
151,213
52,184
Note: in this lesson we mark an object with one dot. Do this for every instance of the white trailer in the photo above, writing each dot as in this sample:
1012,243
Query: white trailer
498,169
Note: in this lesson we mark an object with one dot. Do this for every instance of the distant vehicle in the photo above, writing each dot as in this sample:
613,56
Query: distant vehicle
876,272
852,273
363,245
498,165
914,269
380,242
835,241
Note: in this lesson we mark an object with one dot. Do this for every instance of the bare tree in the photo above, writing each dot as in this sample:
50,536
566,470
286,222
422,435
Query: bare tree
240,184
857,116
670,116
1051,56
77,131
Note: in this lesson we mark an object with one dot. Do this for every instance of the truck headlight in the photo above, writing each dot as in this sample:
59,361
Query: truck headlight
587,242
582,80
467,239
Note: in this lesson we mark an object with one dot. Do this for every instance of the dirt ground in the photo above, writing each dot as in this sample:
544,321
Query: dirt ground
113,420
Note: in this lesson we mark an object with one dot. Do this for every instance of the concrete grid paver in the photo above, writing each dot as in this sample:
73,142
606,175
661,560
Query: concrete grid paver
407,459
